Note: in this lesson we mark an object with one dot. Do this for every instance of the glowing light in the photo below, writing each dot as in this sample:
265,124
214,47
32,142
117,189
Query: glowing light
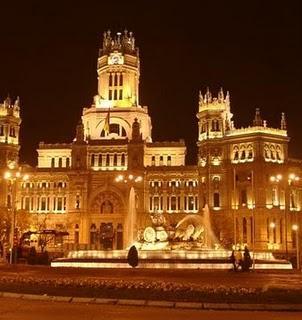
279,176
272,225
7,175
130,176
25,177
295,227
273,178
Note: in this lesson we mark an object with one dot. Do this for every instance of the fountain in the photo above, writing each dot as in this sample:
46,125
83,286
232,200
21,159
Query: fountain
190,244
130,225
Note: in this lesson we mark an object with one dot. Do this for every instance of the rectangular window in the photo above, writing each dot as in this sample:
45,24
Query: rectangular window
115,94
151,204
190,203
173,203
216,199
60,204
110,95
243,197
43,204
121,94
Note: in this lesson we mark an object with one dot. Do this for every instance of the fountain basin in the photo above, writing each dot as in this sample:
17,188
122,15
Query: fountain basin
179,259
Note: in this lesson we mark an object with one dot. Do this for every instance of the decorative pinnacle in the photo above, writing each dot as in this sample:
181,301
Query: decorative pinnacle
121,42
257,122
283,121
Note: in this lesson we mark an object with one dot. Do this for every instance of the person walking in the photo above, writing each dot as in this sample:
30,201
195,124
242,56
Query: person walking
233,260
247,261
238,259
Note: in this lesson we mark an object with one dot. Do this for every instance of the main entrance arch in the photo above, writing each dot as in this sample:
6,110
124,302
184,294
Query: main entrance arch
106,220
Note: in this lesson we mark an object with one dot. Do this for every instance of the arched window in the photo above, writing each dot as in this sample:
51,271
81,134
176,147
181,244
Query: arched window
107,207
52,162
243,197
236,153
114,128
153,161
273,153
266,154
115,79
244,230
123,132
110,80
107,160
161,160
60,162
93,234
243,155
67,162
250,152
92,160
76,234
121,79
169,160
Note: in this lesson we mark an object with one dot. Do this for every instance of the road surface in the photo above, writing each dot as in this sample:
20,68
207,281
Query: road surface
18,309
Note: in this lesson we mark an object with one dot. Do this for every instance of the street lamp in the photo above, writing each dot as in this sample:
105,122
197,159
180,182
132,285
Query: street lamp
295,228
292,177
12,176
131,181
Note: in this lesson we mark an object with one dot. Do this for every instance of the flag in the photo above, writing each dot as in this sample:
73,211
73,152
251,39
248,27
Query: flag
107,123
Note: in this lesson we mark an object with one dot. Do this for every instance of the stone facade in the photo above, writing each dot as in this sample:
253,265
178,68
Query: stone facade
251,186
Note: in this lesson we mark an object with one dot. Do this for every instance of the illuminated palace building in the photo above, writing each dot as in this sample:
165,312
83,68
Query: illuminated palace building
85,187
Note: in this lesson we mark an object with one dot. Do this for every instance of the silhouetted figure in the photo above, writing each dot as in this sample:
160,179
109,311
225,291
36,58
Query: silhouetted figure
247,261
233,260
132,257
238,259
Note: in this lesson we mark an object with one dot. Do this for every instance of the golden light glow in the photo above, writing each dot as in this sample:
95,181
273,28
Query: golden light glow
272,225
7,175
295,227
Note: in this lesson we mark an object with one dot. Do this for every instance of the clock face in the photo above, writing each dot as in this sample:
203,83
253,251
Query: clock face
115,59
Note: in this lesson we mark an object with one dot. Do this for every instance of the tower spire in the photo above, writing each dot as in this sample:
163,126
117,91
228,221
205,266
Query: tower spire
257,122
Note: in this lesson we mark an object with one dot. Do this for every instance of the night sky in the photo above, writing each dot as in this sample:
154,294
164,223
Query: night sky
48,56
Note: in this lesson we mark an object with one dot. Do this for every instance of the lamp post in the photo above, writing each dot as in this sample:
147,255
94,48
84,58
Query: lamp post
295,228
291,178
131,181
12,175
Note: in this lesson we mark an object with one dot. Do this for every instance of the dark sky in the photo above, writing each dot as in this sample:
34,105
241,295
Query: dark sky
48,57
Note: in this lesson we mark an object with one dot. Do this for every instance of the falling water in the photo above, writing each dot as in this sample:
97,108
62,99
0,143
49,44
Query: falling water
210,236
131,219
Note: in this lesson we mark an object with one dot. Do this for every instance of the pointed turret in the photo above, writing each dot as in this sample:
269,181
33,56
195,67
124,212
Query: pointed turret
220,95
257,122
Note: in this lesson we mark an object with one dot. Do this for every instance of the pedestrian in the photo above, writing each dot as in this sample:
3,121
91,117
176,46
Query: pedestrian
238,259
233,260
247,261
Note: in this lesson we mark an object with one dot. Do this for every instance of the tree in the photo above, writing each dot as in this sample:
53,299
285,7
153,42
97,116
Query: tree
22,223
132,257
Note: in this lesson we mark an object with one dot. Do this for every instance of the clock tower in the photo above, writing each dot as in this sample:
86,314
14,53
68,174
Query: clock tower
118,71
116,105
